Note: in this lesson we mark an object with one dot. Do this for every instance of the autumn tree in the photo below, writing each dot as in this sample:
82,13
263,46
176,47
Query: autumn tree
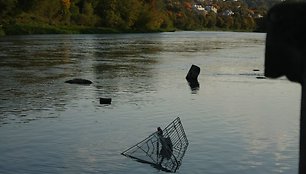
228,22
129,12
220,22
65,10
6,9
108,12
151,17
87,16
212,20
135,15
51,11
66,4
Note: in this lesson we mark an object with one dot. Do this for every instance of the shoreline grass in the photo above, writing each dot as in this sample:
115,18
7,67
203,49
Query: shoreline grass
26,29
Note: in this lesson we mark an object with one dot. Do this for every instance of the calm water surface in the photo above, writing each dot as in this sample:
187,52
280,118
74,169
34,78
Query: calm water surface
235,122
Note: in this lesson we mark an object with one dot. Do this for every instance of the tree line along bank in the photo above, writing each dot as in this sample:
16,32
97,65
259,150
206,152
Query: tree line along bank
108,16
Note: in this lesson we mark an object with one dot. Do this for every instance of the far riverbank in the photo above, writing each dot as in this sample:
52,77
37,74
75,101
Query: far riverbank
28,29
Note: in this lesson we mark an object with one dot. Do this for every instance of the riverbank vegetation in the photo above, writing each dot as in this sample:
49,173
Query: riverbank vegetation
109,16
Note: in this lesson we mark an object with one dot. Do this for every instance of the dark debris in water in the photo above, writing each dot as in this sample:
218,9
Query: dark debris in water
79,81
251,74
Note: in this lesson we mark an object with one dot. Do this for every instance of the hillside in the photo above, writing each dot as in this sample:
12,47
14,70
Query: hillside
99,16
261,3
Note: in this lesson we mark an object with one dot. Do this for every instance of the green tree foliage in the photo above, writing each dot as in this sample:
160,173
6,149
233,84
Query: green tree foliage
108,11
48,10
212,20
120,14
152,16
129,11
7,9
27,5
87,16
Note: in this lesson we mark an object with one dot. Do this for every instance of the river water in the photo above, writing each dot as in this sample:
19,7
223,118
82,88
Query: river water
235,122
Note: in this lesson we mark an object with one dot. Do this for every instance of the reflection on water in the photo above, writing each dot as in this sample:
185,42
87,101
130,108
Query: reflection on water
234,122
194,86
30,69
35,68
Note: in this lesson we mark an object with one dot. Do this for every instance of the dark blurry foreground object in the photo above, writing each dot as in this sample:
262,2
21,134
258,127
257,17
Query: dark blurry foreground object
286,53
79,81
286,41
163,149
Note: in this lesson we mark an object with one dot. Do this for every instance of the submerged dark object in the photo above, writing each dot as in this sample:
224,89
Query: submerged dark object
164,155
79,81
105,100
260,77
193,73
286,53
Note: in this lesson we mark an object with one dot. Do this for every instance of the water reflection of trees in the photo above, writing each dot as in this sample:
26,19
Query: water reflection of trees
33,69
126,66
30,73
